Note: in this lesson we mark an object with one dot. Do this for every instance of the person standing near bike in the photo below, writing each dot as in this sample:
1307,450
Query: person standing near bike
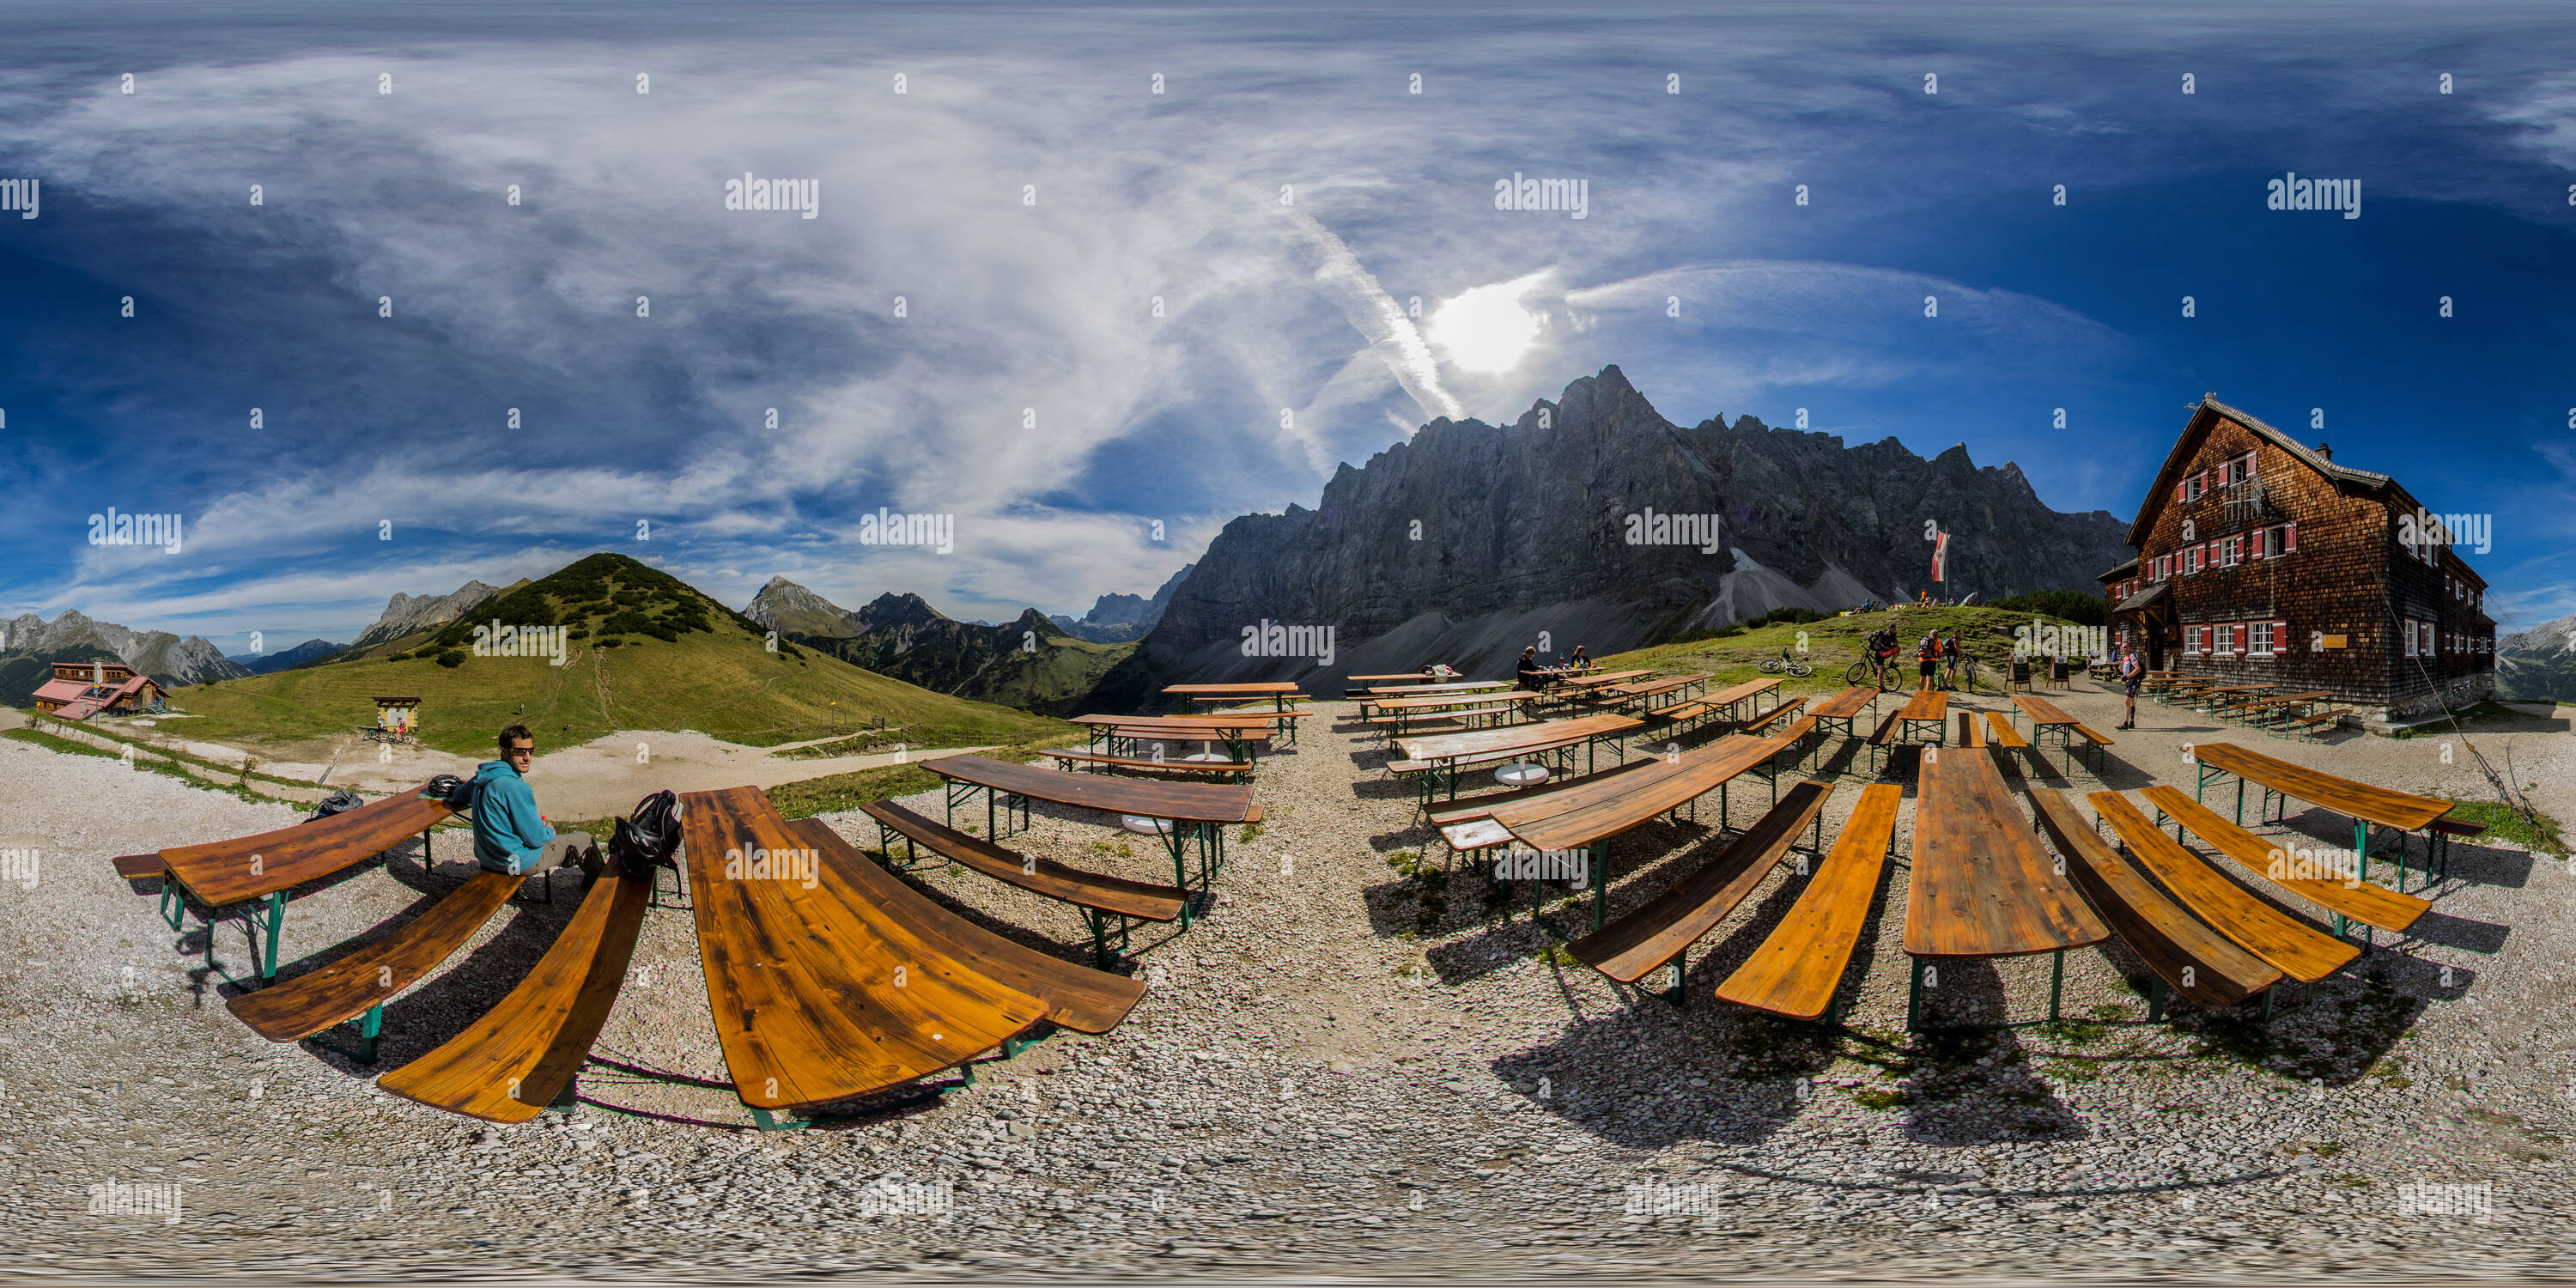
1927,654
1951,652
1882,652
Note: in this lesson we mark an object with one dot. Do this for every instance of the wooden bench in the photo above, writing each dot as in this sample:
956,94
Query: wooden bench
1882,742
1662,931
2185,955
1972,732
2362,901
1236,768
2318,725
508,1066
2000,732
1756,724
2296,948
361,983
1799,968
140,867
819,998
2093,736
1076,996
1097,895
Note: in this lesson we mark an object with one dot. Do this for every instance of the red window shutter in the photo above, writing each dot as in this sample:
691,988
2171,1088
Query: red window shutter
2249,464
2280,637
2179,496
2289,537
2240,638
2204,482
2254,544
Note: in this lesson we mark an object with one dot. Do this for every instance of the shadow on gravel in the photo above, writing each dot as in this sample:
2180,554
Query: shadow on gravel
2459,932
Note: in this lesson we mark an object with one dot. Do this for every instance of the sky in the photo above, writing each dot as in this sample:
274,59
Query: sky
1095,279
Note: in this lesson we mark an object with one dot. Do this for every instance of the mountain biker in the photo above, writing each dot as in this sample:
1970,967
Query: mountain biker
2131,672
1882,651
1951,652
1927,652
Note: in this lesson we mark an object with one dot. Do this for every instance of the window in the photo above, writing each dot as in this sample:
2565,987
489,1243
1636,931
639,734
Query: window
2262,639
2192,637
2231,552
2409,634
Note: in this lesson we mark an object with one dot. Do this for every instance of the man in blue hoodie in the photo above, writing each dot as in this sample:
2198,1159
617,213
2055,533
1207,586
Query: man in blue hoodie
509,836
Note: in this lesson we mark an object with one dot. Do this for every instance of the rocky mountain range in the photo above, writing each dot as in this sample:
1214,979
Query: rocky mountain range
408,614
1028,662
1116,619
263,663
1593,520
165,657
2538,665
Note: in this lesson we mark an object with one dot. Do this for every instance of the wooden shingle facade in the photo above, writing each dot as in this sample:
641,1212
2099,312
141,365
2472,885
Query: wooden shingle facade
2263,561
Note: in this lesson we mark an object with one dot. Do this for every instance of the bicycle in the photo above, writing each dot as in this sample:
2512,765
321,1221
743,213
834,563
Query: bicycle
1869,670
1785,664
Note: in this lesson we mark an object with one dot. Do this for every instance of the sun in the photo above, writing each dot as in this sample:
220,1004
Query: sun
1485,329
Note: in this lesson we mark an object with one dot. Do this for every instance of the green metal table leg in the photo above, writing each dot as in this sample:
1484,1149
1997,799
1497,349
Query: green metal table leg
1600,880
1914,999
2156,999
2056,982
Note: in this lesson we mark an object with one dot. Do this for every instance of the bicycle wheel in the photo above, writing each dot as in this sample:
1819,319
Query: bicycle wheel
1855,673
1801,670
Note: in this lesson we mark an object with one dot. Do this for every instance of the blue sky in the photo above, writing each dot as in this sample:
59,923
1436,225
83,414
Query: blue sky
1286,197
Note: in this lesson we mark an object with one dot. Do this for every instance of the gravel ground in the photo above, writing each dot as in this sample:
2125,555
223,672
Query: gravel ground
1341,1070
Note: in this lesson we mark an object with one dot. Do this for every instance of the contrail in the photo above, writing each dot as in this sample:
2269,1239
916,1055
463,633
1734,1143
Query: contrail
1377,316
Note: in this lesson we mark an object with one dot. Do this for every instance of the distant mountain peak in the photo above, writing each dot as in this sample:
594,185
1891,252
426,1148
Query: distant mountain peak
410,614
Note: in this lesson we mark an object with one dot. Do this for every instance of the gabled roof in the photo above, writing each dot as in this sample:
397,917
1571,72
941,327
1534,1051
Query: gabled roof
2143,598
2119,570
64,690
2207,415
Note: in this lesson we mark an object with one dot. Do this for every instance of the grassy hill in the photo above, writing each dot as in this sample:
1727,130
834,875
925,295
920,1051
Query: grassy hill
1835,643
644,651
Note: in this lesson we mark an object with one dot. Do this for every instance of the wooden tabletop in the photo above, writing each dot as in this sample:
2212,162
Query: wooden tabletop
2237,688
1927,704
1387,679
2385,806
1145,798
1589,812
1454,700
1546,735
819,998
1586,681
1982,887
253,867
1454,686
1664,684
1846,704
2042,711
1733,694
1223,690
1192,726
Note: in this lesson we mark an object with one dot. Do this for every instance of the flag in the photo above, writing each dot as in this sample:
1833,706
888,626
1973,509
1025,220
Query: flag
1940,553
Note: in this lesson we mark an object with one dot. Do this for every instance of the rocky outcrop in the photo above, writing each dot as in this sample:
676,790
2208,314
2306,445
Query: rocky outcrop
165,657
408,614
787,608
1116,619
1594,520
1026,662
2538,665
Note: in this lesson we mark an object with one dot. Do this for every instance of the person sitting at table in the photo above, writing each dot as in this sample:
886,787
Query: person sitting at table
509,835
1581,661
1531,676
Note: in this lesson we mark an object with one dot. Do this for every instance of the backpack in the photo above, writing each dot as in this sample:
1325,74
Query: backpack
339,802
650,836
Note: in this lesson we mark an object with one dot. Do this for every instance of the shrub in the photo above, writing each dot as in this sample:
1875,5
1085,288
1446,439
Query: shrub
452,658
